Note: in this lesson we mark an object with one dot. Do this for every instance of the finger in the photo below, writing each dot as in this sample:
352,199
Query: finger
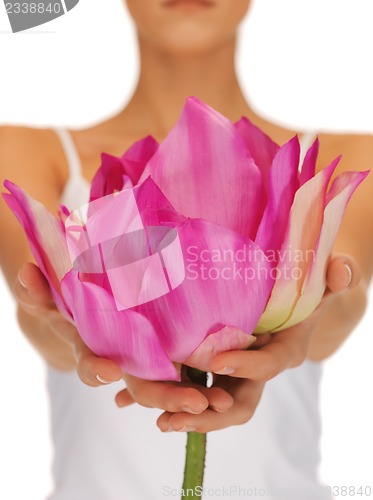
124,398
286,349
32,290
93,370
31,277
166,396
261,340
33,294
219,399
342,273
177,397
240,413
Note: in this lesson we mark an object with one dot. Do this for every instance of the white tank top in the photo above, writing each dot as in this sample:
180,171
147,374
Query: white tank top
105,453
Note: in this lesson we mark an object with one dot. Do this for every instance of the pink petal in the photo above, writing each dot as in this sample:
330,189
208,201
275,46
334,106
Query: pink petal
115,215
204,168
227,282
314,287
137,156
114,172
126,337
45,237
226,339
297,251
261,147
309,163
150,263
282,185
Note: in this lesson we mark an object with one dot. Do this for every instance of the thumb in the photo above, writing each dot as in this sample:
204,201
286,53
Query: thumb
32,290
343,273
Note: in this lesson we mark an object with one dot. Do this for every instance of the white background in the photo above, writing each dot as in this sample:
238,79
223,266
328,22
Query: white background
303,63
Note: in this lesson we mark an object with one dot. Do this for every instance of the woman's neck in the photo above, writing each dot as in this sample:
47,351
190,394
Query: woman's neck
166,80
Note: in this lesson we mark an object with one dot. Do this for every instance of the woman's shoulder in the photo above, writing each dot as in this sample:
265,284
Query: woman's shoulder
15,136
356,149
30,157
22,141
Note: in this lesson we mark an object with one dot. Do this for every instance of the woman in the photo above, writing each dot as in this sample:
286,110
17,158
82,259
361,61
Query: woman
186,48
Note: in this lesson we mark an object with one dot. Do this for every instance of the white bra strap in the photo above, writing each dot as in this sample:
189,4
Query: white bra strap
72,156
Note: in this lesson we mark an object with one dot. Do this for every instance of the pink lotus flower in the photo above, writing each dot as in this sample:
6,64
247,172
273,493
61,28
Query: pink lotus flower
187,244
136,305
236,176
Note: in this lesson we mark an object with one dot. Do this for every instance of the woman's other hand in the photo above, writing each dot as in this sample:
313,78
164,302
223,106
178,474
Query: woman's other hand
243,374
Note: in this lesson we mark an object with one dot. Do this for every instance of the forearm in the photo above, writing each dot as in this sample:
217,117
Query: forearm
55,351
342,314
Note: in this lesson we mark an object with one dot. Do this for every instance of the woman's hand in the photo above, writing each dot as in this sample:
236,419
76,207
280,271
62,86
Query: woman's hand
63,341
289,348
175,397
64,344
243,373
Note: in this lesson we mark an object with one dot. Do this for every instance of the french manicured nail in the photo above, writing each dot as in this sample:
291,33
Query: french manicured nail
103,381
21,280
186,428
349,277
226,370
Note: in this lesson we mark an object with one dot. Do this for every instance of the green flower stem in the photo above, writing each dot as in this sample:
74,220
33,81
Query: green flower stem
195,451
194,465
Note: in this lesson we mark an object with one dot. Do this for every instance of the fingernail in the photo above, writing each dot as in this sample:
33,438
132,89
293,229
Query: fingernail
227,370
349,271
170,429
20,279
187,409
103,381
215,408
186,428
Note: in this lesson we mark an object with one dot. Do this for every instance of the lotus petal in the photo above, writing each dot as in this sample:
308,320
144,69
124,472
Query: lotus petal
309,163
227,282
282,186
226,339
297,251
314,286
117,173
126,337
260,146
204,169
45,236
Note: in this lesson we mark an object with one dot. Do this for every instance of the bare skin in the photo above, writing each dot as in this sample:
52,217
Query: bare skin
167,78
